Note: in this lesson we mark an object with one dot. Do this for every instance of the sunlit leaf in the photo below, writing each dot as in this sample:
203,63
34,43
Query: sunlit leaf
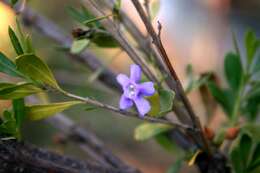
79,45
7,66
38,112
148,130
15,91
36,69
15,42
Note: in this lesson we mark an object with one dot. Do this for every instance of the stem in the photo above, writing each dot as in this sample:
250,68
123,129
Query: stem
178,87
124,113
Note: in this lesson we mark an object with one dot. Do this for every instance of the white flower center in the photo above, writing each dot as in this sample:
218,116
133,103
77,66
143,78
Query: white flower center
131,90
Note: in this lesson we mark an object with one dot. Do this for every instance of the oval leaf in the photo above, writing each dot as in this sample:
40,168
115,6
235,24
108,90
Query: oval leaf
38,112
148,130
166,101
15,91
233,70
79,45
36,69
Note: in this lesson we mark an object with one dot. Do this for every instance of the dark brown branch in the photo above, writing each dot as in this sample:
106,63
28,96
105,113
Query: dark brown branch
178,88
24,158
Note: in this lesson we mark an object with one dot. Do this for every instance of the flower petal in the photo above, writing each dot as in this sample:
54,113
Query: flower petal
135,73
123,80
146,88
125,102
143,106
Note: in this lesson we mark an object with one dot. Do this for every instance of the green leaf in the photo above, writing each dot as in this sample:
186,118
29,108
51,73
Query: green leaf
239,153
21,35
154,101
176,167
223,97
13,2
36,69
104,39
164,141
28,45
15,91
79,45
255,159
7,66
251,44
166,100
15,42
19,111
233,70
80,15
38,112
148,130
8,126
252,130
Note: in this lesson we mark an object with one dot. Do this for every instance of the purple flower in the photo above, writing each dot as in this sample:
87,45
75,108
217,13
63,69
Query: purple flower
134,91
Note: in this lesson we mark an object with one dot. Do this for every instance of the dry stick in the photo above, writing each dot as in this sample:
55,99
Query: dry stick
88,142
158,43
22,157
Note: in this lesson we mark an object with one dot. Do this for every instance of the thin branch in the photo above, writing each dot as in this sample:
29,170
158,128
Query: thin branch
51,30
121,38
179,89
124,113
86,140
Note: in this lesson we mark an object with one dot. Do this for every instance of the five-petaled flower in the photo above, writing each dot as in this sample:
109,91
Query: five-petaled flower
134,92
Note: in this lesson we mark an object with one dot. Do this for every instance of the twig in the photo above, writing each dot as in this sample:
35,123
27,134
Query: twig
52,31
147,8
124,113
121,38
179,89
86,140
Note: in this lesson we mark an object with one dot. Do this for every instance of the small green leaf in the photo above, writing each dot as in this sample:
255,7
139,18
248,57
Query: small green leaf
251,44
104,39
223,97
165,142
176,167
20,34
15,42
154,101
80,15
36,69
28,45
252,130
19,111
38,112
233,70
166,100
13,2
7,66
79,45
148,130
15,91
